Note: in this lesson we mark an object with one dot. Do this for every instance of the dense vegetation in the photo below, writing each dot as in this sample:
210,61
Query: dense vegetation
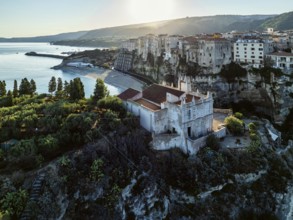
102,152
38,128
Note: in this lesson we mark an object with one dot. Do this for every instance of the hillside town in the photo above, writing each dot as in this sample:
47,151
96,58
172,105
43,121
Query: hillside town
166,126
213,51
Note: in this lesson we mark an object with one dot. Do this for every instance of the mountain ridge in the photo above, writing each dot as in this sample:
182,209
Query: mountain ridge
184,26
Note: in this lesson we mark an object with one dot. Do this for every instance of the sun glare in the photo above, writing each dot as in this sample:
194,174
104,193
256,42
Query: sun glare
150,10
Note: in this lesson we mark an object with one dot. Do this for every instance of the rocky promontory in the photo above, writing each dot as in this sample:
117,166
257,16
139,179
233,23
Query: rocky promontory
89,58
35,54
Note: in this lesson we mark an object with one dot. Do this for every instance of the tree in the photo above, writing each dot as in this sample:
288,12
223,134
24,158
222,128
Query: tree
76,89
59,91
268,62
9,98
14,203
25,87
52,85
234,125
47,145
213,142
2,88
66,89
96,170
59,85
100,91
232,71
33,87
15,89
151,59
113,103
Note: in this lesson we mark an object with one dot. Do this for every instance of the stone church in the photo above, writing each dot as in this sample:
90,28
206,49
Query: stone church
176,117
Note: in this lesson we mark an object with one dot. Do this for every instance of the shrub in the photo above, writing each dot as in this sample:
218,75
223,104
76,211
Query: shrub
252,127
213,142
238,115
234,125
113,103
13,203
253,136
96,170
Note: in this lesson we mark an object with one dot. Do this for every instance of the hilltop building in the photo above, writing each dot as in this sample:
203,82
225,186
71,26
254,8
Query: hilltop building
124,61
252,51
175,117
282,60
209,53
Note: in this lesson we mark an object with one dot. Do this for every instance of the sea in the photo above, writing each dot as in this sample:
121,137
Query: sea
15,65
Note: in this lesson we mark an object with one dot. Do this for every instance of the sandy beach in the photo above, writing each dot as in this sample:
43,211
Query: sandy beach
112,77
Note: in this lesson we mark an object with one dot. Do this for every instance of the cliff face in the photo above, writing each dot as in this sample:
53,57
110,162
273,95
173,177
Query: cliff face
216,184
273,99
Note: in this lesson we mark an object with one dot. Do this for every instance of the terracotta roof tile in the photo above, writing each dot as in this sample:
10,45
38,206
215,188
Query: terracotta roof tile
148,104
128,94
157,93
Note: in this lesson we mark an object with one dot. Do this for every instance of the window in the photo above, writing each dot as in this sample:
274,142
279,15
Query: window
260,57
252,48
252,52
260,45
189,114
189,131
252,56
283,59
244,48
252,44
245,52
260,49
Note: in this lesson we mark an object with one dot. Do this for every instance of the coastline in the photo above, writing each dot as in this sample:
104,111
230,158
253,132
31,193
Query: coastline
111,77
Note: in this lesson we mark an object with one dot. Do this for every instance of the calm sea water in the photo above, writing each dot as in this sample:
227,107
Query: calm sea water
14,64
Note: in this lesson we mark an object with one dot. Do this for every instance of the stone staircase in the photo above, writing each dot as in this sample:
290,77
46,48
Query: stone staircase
34,195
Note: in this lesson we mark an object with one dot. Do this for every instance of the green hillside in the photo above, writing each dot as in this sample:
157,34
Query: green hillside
280,22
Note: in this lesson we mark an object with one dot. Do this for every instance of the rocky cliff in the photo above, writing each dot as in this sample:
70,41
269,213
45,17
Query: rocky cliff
129,181
271,98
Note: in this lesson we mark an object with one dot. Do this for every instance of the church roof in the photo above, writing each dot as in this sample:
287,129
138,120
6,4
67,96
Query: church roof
148,104
128,94
157,93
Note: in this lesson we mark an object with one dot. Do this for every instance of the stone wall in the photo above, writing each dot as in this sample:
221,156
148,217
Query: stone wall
166,141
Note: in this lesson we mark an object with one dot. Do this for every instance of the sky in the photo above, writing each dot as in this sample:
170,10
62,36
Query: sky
27,18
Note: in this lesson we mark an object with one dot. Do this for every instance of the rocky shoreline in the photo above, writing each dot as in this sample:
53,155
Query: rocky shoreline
97,64
112,77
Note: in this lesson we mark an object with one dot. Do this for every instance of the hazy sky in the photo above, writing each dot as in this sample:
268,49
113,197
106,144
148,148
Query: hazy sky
45,17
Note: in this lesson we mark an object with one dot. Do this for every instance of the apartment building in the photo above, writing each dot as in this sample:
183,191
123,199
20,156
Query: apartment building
252,51
210,53
282,60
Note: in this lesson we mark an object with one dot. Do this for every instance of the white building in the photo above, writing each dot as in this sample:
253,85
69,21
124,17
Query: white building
282,60
252,51
129,45
176,118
